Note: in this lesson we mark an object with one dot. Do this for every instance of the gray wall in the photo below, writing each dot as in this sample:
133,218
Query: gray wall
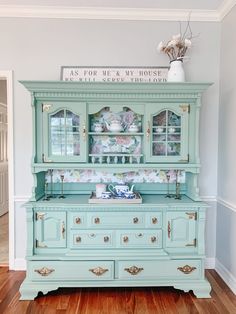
36,48
226,212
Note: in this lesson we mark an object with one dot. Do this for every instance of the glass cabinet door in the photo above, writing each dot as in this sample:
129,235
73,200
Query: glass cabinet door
167,133
64,132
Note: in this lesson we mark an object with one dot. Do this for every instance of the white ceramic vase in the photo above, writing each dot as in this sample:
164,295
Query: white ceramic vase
176,72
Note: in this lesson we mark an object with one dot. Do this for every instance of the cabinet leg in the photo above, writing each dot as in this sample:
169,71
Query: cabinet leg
29,291
200,289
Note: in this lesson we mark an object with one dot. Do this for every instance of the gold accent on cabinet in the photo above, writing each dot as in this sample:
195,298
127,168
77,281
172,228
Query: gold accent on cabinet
194,243
106,239
84,132
169,229
185,108
148,130
98,271
97,220
78,220
78,239
186,269
46,107
40,244
153,239
44,271
63,230
154,220
125,239
135,220
192,215
45,160
134,270
39,215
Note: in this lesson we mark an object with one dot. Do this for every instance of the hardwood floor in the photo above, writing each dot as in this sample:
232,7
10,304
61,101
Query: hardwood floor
4,240
115,300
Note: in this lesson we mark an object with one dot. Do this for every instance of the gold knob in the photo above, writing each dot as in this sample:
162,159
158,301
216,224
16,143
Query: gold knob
63,230
78,239
44,271
78,220
154,220
98,271
134,270
106,239
97,220
153,239
135,220
125,239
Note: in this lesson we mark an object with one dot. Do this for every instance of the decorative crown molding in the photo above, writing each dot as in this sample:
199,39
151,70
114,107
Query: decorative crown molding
108,13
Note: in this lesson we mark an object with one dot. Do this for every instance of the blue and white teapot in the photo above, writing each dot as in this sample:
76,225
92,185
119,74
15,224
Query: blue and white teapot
120,189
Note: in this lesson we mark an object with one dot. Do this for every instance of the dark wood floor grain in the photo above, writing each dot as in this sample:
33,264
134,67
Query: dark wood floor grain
165,300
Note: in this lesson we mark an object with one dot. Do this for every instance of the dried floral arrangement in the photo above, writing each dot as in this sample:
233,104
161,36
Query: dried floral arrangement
177,47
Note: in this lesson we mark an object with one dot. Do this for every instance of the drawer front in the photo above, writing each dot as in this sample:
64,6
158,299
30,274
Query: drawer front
92,239
170,269
140,239
77,220
71,270
116,220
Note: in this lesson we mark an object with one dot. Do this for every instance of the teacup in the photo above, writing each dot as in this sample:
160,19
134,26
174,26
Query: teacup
129,195
106,195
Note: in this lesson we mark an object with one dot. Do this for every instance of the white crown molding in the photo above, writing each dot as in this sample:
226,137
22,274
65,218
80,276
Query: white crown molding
225,8
115,13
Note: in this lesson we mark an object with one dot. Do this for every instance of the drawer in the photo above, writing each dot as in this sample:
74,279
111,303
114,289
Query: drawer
170,269
116,220
88,239
140,239
77,220
71,270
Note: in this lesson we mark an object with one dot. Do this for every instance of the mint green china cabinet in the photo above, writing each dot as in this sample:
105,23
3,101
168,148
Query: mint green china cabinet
139,129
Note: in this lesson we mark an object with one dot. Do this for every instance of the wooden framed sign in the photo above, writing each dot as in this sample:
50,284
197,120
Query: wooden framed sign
114,74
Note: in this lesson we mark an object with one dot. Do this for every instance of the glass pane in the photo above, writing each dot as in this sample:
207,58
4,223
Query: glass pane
160,119
57,133
173,149
159,149
72,134
173,137
173,119
159,137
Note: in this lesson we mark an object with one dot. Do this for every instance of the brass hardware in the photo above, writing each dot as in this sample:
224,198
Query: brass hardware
97,220
45,159
140,235
153,239
40,244
148,130
154,220
63,230
185,108
39,216
92,235
99,271
44,271
46,107
77,220
106,239
186,269
84,132
168,229
134,270
78,239
125,239
192,215
184,160
135,220
194,243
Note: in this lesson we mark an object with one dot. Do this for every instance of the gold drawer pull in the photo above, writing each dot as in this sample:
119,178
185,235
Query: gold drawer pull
154,220
125,239
98,271
134,270
154,239
97,220
186,269
135,220
106,239
78,239
44,271
168,229
78,220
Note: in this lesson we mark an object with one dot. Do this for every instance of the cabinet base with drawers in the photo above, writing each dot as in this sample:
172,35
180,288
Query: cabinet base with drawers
157,243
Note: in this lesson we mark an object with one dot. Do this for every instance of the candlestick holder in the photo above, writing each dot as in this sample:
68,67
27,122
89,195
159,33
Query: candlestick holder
168,186
62,188
51,183
177,187
46,197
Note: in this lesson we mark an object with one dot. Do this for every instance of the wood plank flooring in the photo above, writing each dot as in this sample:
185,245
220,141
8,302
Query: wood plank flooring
4,240
115,300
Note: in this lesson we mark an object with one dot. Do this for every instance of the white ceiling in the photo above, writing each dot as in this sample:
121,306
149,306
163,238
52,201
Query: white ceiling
155,4
201,10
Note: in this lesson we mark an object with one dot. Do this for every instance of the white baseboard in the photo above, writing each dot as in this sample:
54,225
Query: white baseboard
19,264
228,278
210,263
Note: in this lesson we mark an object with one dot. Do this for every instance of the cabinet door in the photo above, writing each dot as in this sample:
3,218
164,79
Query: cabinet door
181,229
50,229
64,132
167,132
